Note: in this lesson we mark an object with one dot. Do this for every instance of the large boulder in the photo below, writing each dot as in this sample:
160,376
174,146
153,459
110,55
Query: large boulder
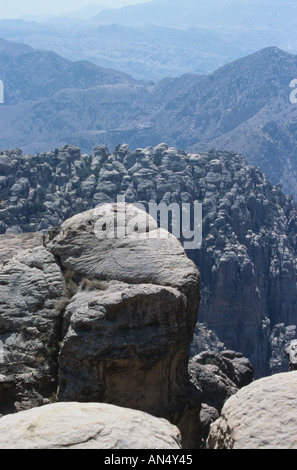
94,245
127,330
86,426
260,416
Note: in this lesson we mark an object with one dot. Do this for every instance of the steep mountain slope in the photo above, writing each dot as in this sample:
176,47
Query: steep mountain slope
31,74
232,95
244,106
247,259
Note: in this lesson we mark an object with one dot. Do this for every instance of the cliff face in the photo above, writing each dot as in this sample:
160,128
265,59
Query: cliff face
31,282
247,259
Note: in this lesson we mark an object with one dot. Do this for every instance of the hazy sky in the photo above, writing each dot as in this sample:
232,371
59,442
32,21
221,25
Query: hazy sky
17,8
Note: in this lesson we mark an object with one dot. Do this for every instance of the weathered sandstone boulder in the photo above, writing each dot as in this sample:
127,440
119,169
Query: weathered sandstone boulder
148,255
260,416
86,426
89,318
128,328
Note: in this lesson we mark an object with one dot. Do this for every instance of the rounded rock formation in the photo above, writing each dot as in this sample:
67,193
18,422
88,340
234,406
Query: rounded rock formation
86,426
260,416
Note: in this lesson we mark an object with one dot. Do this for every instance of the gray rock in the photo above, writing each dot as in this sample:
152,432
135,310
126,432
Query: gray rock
291,351
128,328
247,258
88,185
218,375
128,259
281,339
208,415
30,285
205,339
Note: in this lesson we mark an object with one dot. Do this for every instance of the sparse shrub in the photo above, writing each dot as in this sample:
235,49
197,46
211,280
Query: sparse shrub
53,398
69,291
61,305
93,284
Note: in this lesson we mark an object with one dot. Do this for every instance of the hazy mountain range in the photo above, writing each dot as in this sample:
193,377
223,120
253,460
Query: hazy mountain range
243,106
244,14
163,38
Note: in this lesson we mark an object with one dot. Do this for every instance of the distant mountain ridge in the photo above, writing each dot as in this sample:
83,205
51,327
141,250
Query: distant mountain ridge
31,74
162,38
244,106
248,14
148,52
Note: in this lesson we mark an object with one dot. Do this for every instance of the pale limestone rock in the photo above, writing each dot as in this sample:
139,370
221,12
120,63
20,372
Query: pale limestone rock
86,426
262,415
12,244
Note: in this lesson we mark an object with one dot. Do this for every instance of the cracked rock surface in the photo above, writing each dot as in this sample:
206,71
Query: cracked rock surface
31,282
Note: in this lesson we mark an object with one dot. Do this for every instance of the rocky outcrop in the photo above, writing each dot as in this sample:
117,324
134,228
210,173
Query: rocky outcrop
205,339
291,352
86,426
218,375
281,339
115,323
247,259
127,331
90,318
31,282
259,416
